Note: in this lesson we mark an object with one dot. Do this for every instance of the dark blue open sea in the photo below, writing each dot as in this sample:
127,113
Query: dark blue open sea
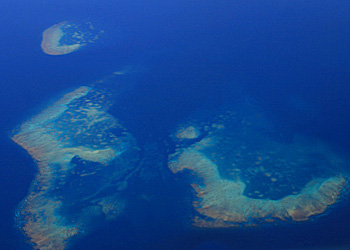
183,59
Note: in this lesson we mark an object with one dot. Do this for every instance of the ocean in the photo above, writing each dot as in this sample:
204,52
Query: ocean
182,59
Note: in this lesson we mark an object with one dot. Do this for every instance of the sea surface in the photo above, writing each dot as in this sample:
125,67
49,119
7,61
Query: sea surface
182,59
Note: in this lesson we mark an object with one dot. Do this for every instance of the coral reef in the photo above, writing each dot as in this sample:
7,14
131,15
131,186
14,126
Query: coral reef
74,142
244,176
66,37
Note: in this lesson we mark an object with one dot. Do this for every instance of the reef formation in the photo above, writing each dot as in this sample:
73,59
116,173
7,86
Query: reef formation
244,176
189,132
67,37
84,159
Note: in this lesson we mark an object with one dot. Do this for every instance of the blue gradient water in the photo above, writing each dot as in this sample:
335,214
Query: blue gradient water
291,57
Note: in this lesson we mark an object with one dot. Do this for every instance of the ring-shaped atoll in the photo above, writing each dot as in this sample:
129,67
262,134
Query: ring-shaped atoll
244,175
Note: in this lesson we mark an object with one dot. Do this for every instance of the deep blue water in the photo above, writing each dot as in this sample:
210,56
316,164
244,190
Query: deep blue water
291,57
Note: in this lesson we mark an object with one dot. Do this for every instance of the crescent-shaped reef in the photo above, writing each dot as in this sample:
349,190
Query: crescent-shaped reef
244,175
67,37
